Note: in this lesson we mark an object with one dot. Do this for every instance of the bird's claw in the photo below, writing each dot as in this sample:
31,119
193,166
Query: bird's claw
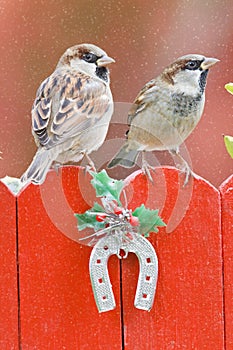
88,169
183,166
90,165
56,167
146,170
187,171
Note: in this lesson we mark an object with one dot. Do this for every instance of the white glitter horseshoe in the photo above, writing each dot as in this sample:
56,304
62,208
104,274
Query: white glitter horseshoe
148,272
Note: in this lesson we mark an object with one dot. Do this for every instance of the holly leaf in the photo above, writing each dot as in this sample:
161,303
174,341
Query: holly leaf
229,144
107,187
229,88
88,219
149,220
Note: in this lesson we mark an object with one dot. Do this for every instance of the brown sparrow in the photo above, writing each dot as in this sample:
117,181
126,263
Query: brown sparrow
72,110
166,111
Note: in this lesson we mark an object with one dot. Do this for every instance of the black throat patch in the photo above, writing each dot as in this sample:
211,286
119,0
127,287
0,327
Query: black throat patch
102,73
202,80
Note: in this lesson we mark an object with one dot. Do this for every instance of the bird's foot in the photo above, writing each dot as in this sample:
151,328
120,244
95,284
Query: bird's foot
187,171
146,167
56,167
90,165
183,166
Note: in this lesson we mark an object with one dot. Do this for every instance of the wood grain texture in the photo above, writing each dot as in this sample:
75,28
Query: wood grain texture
226,190
8,271
57,304
188,308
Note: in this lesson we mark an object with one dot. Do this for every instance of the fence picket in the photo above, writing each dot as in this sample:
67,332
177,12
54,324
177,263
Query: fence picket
226,190
8,271
188,308
57,305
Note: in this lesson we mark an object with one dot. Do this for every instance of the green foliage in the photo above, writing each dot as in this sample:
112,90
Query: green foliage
107,187
107,217
88,219
229,144
229,88
228,140
149,220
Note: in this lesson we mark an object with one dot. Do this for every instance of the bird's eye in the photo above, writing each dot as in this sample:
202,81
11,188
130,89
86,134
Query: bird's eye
90,57
192,65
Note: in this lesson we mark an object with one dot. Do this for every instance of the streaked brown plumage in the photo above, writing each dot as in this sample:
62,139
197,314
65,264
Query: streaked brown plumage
72,110
166,111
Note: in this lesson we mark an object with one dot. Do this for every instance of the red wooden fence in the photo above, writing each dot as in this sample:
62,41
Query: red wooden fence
8,271
226,190
46,296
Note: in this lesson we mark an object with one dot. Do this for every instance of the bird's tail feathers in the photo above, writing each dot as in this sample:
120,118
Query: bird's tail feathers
125,157
39,167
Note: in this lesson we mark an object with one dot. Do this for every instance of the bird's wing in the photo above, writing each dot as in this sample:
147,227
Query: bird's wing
143,99
66,104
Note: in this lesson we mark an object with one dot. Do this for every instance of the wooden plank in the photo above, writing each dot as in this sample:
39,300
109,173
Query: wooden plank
226,190
57,304
188,308
8,271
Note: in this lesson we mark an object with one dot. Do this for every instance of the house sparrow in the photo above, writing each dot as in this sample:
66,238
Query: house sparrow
166,111
72,110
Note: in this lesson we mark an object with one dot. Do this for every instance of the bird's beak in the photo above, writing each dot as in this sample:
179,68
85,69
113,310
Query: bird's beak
208,62
104,61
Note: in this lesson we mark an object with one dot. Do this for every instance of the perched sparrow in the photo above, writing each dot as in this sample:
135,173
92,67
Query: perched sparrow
166,111
72,110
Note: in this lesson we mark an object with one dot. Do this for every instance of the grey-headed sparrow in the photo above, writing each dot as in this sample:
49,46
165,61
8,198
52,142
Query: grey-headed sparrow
166,111
72,110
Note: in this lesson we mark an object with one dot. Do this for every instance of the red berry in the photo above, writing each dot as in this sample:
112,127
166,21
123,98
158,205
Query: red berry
100,217
118,210
133,220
